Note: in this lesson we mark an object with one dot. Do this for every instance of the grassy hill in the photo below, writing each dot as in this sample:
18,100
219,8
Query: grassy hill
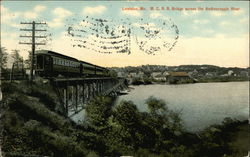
33,124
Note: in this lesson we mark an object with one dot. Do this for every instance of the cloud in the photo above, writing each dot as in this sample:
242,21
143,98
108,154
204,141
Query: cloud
217,13
155,15
84,23
195,27
7,16
9,34
225,23
39,8
61,12
94,10
190,12
15,25
208,31
244,20
220,36
223,51
132,13
205,21
238,12
30,15
56,22
35,12
3,9
144,25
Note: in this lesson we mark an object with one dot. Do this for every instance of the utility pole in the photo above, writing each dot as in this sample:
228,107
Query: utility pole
33,42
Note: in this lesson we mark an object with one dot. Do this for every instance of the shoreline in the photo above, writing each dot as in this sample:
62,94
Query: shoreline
166,83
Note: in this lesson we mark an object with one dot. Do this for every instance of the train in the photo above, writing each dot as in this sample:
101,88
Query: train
52,64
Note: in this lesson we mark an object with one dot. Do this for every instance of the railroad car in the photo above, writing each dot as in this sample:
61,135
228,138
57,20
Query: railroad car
49,64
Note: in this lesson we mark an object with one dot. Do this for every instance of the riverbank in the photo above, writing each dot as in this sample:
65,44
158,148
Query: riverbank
191,82
241,139
202,104
33,126
223,79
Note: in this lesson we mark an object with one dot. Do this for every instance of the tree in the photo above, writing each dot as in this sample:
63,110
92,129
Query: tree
123,136
17,59
126,114
155,105
3,58
15,54
113,73
98,111
27,61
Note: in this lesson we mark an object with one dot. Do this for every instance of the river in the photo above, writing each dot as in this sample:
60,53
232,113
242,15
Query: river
201,104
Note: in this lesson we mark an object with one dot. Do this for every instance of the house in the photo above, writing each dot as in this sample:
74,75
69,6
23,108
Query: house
132,74
210,74
175,77
140,74
121,74
165,73
230,72
160,77
195,72
154,74
244,73
224,75
204,67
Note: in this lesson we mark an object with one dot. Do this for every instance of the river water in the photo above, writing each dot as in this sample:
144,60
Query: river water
201,104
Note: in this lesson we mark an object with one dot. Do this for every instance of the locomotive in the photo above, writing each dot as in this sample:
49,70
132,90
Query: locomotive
52,64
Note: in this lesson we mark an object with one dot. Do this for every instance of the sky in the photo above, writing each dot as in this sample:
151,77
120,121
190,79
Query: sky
132,33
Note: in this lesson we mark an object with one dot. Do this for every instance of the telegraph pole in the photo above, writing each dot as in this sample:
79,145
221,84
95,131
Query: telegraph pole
33,41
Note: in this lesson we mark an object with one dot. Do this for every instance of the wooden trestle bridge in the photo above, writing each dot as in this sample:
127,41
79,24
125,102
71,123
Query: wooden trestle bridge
74,93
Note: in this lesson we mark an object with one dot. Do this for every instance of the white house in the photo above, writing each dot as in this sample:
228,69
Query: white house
154,74
230,72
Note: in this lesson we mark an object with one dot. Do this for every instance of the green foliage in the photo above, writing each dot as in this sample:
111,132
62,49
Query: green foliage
32,127
147,80
224,79
142,81
99,110
40,90
156,105
15,54
137,81
58,144
112,73
126,114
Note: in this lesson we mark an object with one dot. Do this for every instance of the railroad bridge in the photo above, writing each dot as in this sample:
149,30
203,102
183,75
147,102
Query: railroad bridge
74,93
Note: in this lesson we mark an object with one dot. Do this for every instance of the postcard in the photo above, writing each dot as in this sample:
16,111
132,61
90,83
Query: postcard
124,78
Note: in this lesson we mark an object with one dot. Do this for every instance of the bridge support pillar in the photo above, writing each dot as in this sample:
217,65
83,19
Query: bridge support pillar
65,96
75,96
82,94
89,91
75,93
93,89
85,92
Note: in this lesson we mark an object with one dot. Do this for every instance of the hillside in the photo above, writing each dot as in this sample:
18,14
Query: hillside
32,124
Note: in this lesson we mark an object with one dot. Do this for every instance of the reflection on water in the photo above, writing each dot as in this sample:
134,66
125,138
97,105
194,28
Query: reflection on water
202,104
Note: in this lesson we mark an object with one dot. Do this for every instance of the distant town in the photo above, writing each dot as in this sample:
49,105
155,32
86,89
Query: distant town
147,74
